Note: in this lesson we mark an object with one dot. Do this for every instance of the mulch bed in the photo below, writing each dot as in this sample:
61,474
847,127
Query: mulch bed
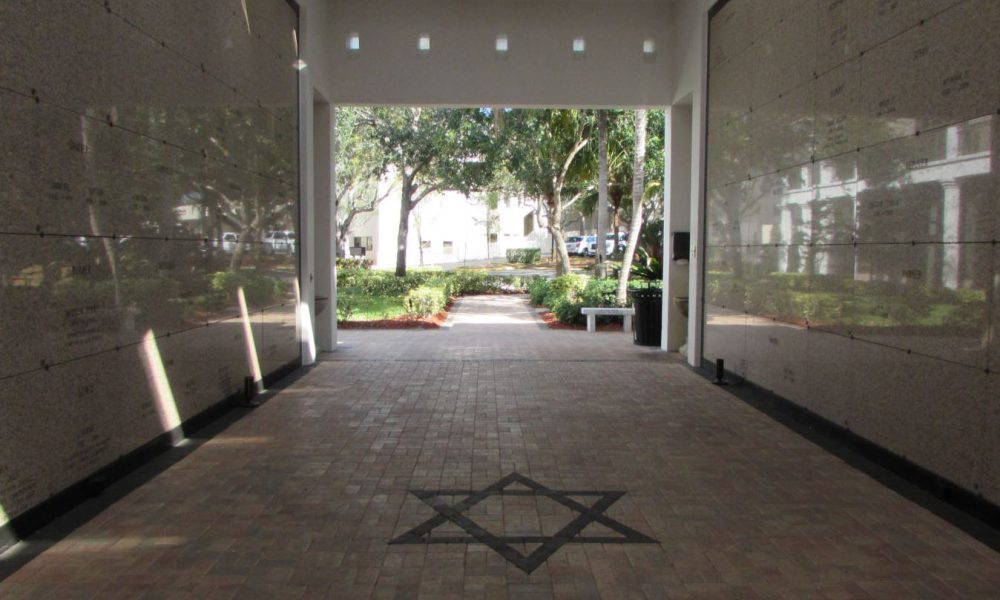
404,322
553,323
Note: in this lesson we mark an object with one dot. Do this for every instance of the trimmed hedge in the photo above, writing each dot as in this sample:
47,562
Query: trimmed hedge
524,256
353,263
845,301
415,289
425,301
385,283
260,290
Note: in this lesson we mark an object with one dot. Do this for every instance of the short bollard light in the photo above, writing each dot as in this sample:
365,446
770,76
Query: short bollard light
720,372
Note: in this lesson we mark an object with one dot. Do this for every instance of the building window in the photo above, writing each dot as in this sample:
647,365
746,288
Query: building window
448,247
529,223
425,244
493,238
364,242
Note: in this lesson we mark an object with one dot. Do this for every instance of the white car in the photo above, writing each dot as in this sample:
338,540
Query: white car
279,242
609,244
229,242
576,245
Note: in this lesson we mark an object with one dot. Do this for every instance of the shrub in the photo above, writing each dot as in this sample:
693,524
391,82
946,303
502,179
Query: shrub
538,289
564,286
83,291
259,290
264,291
600,292
424,301
526,256
353,263
386,284
568,311
149,288
470,282
465,282
722,289
376,283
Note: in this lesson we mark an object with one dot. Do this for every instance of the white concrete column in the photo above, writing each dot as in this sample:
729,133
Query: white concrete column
305,309
698,134
326,226
786,238
804,226
676,217
950,230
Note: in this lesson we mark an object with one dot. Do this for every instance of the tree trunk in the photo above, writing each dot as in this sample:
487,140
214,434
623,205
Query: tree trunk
93,212
405,206
245,237
602,192
563,266
616,207
344,230
342,242
638,186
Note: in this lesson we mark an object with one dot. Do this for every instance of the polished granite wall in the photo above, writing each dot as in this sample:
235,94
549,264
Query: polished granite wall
138,139
853,218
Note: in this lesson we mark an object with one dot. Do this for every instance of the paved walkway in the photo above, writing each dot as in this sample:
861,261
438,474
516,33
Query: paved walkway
614,447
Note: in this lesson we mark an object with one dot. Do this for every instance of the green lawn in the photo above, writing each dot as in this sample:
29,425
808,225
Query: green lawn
376,308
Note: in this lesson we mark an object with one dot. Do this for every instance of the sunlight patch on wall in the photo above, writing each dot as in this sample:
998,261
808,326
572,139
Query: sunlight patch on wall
159,383
253,360
246,14
306,334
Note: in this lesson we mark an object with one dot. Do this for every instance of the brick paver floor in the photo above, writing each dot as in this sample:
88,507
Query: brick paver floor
300,498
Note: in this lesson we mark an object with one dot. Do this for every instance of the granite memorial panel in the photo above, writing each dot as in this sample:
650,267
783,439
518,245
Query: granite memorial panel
854,271
150,181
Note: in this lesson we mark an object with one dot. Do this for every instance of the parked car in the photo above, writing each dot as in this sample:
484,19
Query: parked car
229,242
279,242
585,244
576,245
609,244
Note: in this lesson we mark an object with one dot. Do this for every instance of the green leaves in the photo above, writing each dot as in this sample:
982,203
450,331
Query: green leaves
647,268
445,149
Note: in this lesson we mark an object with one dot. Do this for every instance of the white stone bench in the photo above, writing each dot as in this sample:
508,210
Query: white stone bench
593,312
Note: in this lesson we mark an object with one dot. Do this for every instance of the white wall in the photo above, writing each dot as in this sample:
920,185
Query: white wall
462,67
688,19
676,217
448,216
689,67
316,45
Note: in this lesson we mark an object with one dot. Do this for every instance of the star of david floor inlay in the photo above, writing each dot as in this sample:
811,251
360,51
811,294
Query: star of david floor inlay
453,513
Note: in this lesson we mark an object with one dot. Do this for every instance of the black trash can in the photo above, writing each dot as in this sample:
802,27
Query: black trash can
648,305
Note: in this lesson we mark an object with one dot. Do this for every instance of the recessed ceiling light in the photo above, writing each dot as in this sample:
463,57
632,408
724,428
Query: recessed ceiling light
353,42
501,43
579,45
424,43
649,46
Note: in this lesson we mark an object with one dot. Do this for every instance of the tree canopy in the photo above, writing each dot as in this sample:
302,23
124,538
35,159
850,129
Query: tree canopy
547,155
431,150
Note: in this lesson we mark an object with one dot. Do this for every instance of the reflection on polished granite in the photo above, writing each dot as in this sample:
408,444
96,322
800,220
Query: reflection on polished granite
138,141
855,271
